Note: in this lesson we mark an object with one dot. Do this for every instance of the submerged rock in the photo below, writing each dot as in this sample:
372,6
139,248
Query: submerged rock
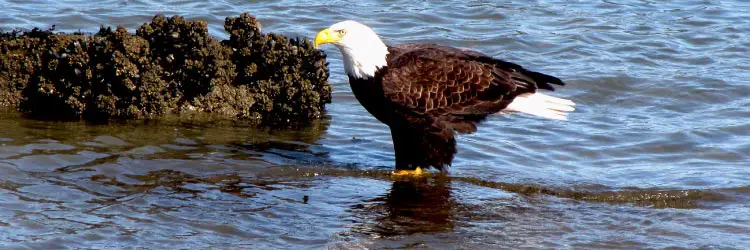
169,65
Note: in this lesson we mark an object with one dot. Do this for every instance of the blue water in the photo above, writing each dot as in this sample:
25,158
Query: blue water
662,90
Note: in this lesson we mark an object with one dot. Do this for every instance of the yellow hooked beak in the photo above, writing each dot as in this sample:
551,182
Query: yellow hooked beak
326,36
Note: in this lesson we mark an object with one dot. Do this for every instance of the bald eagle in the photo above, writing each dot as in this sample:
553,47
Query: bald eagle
427,93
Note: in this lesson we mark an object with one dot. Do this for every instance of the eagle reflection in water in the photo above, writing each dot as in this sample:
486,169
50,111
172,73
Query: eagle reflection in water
412,206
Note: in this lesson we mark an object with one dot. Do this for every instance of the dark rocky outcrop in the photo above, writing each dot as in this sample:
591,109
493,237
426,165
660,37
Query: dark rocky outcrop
168,66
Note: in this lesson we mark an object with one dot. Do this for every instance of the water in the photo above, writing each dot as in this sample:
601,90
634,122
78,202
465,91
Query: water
655,156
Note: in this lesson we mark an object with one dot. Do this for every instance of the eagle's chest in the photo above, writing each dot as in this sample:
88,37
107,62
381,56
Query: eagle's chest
369,93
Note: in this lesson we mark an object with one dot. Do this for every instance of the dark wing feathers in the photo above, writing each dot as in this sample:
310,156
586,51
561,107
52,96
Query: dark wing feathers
420,81
541,80
457,86
436,90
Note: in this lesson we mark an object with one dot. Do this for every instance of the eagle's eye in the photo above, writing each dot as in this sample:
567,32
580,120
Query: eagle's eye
341,32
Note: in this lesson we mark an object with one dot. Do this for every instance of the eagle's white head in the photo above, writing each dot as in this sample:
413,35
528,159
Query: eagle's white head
362,49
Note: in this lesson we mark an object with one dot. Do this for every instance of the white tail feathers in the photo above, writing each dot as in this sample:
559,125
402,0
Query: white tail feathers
542,105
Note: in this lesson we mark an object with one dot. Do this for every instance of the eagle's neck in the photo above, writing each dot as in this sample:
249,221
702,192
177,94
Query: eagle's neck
363,59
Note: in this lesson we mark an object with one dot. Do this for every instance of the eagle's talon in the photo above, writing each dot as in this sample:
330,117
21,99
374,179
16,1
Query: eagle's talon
417,173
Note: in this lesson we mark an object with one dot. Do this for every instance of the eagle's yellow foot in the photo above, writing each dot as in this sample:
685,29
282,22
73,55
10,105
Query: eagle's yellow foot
418,172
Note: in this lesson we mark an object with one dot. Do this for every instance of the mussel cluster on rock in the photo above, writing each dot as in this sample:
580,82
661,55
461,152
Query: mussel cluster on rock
170,65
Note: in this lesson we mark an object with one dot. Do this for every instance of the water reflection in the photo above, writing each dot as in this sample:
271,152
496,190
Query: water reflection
187,137
411,206
175,181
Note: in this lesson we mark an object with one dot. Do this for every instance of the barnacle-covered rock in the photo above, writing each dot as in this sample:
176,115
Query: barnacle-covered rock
169,65
20,56
288,77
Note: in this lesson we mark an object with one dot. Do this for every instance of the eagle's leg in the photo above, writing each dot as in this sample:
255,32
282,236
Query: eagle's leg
421,145
407,145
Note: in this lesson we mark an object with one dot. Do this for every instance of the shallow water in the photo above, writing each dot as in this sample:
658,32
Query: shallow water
655,156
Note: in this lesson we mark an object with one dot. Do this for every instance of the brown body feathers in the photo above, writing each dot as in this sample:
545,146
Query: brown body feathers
426,93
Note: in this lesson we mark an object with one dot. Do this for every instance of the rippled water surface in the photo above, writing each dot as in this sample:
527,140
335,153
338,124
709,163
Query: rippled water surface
655,156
